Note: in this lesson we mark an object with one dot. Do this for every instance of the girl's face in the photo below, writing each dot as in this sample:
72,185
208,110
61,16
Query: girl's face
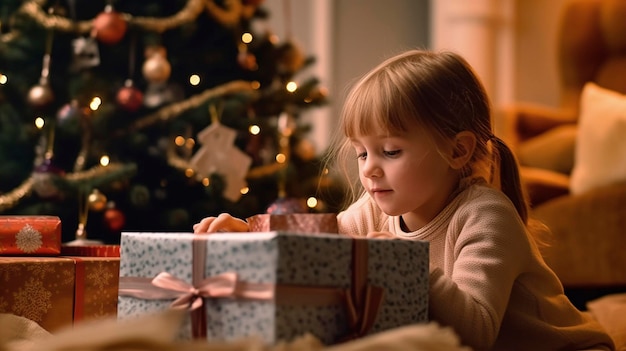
406,175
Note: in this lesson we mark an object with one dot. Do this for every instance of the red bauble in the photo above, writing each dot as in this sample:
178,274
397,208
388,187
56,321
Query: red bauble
130,98
109,27
247,61
114,219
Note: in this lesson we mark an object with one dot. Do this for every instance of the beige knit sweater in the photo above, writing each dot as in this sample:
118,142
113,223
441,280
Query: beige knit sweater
488,280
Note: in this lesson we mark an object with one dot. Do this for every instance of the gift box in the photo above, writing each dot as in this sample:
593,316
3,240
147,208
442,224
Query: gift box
275,285
30,235
294,223
58,291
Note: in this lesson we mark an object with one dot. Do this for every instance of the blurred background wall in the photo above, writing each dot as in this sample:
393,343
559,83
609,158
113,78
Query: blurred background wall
510,43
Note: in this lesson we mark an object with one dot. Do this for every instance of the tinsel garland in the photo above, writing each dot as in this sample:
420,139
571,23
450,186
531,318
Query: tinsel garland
173,110
12,198
228,16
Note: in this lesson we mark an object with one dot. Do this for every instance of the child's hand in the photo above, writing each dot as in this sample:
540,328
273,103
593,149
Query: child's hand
222,223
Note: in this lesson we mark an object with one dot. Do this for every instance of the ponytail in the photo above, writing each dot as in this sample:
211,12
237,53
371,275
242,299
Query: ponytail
510,181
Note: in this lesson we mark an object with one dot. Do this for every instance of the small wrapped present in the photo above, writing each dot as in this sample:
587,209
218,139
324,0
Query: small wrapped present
294,223
275,285
30,236
58,291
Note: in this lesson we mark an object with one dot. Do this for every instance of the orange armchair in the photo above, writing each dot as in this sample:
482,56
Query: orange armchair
589,229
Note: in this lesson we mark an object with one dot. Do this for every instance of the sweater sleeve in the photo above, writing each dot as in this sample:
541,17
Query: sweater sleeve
486,249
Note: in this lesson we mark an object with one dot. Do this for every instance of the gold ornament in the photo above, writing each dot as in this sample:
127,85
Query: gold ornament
97,201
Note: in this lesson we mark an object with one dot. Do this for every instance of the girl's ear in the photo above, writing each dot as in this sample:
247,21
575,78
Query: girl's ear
464,145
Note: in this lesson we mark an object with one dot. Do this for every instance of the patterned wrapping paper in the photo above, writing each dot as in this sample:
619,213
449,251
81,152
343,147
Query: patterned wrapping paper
311,275
58,291
97,284
38,288
294,223
30,235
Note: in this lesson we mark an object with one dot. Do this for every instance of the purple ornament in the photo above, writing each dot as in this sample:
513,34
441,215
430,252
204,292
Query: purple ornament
43,177
287,206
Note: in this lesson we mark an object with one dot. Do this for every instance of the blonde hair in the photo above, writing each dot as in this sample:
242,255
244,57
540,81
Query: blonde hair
439,92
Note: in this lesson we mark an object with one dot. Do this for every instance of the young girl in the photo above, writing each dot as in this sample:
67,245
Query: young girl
430,168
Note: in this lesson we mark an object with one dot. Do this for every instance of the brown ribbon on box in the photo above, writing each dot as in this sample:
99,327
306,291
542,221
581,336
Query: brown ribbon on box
362,300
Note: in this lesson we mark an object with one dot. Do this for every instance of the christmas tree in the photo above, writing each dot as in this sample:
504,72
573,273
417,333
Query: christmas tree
149,115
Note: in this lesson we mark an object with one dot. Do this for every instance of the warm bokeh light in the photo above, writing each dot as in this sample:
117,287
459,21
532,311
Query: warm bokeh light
105,160
281,158
189,172
254,129
95,103
39,122
206,181
194,79
189,143
246,38
3,79
179,141
311,202
291,87
244,190
255,84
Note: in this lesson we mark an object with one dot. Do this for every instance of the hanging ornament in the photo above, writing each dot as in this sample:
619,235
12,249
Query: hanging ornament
290,58
96,200
158,94
46,173
83,215
41,95
68,114
109,27
218,155
85,53
44,179
156,68
129,97
284,205
246,59
113,218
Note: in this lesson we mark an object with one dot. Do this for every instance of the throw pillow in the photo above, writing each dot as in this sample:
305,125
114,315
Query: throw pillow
600,152
552,150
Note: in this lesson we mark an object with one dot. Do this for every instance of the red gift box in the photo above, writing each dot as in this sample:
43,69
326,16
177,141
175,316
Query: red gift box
30,235
58,291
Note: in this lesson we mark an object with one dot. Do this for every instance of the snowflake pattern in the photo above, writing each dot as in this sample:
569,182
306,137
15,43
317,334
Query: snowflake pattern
33,300
28,239
102,279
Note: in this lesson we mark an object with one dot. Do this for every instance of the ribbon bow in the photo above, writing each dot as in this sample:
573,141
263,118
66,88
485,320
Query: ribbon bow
189,296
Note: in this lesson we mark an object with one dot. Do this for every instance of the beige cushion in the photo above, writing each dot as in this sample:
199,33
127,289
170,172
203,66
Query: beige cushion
600,152
552,150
